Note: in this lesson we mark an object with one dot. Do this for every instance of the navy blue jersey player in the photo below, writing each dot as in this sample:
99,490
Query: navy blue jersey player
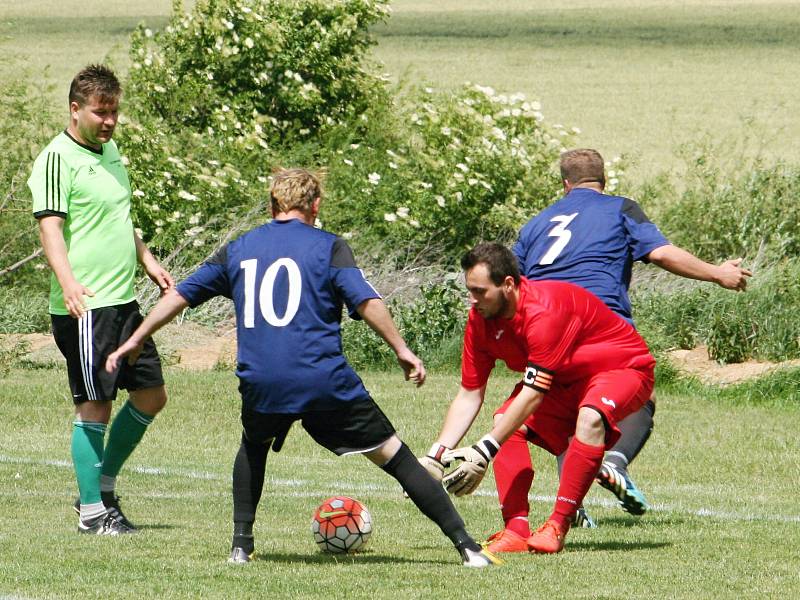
592,239
289,283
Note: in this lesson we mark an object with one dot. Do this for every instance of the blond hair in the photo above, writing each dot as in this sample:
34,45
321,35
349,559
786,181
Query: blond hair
294,189
583,165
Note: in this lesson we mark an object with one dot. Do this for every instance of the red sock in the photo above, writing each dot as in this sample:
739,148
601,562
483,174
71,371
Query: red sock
513,475
581,464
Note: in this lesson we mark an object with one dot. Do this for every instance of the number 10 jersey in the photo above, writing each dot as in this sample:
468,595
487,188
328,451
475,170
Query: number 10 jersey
289,283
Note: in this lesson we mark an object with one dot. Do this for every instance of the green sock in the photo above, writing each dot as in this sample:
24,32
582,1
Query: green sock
87,458
127,429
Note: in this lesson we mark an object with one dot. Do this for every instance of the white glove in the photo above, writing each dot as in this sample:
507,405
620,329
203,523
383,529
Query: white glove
469,474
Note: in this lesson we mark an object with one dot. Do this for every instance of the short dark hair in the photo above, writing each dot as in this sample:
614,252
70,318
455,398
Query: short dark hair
500,260
94,80
583,165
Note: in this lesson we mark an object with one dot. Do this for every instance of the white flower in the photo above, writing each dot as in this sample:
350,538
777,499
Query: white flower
392,165
462,167
486,90
440,201
428,90
148,61
167,175
125,161
197,243
248,41
354,146
348,162
138,193
194,219
210,75
613,182
611,173
498,133
148,33
402,212
426,185
472,181
186,195
305,131
414,117
374,178
227,24
194,231
576,130
160,89
392,154
414,223
347,235
390,217
159,223
445,131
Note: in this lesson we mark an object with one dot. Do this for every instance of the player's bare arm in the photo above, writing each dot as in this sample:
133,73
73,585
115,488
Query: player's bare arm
51,234
524,405
163,312
729,274
375,314
152,267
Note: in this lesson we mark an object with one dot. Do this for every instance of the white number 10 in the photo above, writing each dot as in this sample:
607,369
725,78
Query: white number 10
563,234
265,292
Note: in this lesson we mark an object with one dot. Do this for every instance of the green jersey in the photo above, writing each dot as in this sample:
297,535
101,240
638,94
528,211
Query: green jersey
90,190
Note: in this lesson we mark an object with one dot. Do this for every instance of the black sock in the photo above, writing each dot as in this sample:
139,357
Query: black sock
429,496
248,481
636,429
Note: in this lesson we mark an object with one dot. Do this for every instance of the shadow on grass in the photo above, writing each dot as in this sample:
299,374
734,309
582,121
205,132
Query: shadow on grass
652,521
347,559
155,526
614,546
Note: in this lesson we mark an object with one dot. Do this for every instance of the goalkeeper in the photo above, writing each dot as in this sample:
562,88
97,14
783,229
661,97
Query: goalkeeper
584,370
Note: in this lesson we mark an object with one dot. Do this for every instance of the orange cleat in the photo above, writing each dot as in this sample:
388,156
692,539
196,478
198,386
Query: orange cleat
506,541
548,539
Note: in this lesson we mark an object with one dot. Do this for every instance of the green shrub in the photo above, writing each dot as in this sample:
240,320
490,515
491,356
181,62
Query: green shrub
442,171
432,326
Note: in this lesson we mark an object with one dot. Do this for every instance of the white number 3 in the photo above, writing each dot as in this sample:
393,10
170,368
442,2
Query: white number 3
265,292
563,234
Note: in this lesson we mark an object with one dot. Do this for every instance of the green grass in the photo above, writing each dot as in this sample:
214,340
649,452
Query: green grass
638,78
722,479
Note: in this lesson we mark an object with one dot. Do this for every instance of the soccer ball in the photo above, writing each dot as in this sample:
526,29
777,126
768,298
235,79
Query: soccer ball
341,524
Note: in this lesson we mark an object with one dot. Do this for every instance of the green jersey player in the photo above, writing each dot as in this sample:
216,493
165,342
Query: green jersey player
82,201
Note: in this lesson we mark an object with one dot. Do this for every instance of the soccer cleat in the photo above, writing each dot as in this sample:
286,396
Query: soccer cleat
111,502
239,556
478,559
619,483
583,520
103,525
548,539
506,541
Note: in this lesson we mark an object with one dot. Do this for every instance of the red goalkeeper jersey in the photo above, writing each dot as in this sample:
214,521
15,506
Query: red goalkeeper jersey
560,334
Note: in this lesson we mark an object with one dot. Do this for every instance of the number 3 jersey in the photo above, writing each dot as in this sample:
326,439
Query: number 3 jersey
289,282
590,239
559,334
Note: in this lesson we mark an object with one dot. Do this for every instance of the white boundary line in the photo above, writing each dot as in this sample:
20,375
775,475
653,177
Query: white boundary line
349,487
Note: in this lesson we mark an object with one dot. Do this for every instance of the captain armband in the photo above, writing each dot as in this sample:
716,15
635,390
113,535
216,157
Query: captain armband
538,378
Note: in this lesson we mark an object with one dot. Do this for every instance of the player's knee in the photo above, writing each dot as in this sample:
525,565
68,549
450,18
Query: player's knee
149,401
590,428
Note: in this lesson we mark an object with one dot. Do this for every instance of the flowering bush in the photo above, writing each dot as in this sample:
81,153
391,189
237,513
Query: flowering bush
443,171
254,71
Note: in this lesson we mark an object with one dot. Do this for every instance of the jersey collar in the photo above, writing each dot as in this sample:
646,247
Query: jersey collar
89,148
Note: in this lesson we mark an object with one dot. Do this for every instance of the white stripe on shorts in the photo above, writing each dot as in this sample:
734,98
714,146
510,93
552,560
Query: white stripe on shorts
85,348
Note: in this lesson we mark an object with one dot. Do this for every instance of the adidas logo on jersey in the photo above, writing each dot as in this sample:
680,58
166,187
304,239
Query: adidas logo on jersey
91,170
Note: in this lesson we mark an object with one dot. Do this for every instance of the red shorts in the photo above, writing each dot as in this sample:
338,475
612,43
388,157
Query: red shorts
614,394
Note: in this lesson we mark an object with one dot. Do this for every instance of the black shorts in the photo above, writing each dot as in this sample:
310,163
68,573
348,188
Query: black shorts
87,342
355,428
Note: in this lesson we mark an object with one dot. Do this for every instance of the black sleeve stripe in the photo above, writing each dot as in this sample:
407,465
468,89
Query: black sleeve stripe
538,378
632,210
49,213
47,193
58,189
342,256
220,257
52,184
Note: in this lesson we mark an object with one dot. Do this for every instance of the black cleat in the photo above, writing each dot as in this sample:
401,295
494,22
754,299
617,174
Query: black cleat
103,525
111,502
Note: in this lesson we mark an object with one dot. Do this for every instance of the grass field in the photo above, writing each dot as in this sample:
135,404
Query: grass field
722,479
637,77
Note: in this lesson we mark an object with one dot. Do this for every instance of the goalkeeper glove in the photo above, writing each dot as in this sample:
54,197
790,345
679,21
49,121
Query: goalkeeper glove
433,461
469,474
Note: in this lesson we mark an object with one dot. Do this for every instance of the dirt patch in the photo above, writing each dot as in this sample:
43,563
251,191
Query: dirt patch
696,363
196,348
